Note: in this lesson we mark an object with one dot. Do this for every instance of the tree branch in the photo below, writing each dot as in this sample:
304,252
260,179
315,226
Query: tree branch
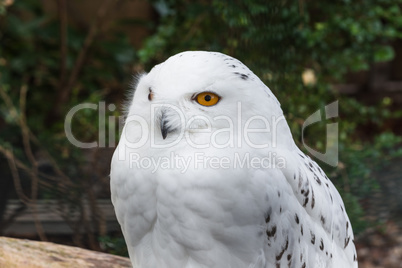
65,91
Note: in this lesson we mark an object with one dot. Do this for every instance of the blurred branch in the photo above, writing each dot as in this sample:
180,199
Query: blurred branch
14,172
93,31
23,125
86,223
9,104
66,88
95,211
34,169
19,165
14,164
88,227
27,143
62,7
31,203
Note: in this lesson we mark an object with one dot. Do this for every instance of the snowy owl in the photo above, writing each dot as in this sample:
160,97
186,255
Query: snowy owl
207,174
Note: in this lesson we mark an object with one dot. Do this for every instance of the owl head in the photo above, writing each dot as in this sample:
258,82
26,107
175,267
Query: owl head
205,98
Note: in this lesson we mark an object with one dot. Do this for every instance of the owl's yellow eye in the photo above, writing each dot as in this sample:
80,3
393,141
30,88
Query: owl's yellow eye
207,98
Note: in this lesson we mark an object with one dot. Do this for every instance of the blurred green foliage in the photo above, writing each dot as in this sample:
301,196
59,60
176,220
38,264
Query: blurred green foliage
277,39
114,245
31,57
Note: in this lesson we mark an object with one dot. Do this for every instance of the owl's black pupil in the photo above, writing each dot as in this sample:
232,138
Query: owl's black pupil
207,98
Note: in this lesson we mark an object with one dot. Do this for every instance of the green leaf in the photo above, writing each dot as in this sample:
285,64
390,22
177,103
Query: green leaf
384,53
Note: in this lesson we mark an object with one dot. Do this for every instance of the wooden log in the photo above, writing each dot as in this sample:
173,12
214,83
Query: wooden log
26,253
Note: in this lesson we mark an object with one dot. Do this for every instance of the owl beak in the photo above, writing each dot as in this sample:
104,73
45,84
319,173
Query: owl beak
165,129
168,121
